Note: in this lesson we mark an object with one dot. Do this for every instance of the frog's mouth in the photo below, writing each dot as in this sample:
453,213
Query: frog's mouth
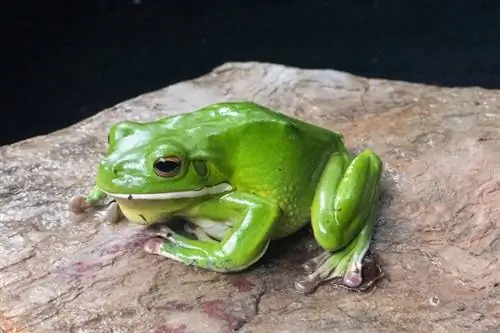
209,190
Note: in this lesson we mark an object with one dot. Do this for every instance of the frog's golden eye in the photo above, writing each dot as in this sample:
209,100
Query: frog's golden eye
167,166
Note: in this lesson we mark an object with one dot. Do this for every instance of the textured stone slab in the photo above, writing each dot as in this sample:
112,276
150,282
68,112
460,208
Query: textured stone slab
437,238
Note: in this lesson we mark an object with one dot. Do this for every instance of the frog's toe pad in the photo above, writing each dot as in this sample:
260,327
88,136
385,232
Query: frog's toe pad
157,246
307,285
78,204
164,236
361,278
353,280
154,245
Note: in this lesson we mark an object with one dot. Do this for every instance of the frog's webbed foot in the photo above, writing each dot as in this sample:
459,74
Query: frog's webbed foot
348,267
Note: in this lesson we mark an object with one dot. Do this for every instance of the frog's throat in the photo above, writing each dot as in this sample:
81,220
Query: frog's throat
210,190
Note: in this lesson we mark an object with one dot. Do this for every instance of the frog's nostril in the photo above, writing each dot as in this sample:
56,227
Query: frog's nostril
114,170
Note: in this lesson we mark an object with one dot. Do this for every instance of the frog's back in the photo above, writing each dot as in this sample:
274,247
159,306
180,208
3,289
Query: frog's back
220,118
270,154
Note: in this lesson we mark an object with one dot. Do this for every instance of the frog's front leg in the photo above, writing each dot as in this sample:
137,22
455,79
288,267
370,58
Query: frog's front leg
343,214
243,244
78,204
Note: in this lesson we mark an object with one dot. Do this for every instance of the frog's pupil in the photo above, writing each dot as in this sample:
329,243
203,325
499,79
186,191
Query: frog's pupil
166,166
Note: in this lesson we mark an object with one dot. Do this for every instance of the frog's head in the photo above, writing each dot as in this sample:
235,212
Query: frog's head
149,162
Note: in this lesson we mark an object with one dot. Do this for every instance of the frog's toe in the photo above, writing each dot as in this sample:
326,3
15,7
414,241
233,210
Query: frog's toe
307,285
312,264
154,245
113,213
353,279
160,246
78,204
171,249
166,233
336,266
333,267
346,267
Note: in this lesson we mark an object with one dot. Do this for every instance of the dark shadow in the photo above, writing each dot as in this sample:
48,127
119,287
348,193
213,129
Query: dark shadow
67,60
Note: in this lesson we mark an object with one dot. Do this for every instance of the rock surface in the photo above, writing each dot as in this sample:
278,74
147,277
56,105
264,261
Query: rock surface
438,237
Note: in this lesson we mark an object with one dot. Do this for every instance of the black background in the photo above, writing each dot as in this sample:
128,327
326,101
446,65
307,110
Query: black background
66,60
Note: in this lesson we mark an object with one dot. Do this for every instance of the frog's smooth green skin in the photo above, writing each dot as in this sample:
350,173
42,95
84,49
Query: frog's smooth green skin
243,175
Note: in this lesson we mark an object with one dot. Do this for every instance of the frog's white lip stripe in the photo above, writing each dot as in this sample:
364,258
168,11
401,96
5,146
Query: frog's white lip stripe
219,188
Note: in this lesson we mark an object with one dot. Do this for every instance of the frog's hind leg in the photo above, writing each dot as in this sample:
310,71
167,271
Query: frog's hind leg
343,213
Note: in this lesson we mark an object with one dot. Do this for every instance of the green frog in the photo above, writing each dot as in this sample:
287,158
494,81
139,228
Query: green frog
243,175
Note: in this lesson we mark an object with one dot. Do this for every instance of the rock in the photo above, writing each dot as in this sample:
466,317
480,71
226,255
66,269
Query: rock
438,237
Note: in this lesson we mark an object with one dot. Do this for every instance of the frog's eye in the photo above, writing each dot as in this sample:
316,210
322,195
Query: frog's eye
167,166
